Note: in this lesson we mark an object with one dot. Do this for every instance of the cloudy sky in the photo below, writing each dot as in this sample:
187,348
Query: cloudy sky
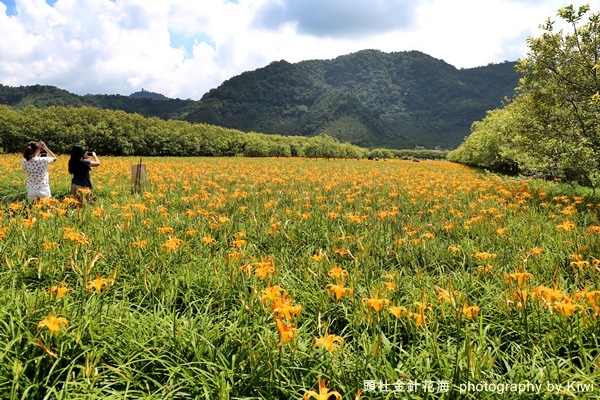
183,48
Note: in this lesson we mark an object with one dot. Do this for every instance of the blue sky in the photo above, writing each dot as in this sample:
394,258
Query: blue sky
11,8
183,48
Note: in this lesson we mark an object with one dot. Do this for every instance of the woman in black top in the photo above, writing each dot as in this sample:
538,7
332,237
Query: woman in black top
79,167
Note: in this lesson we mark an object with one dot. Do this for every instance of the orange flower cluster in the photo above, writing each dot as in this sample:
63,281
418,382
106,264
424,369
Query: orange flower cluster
338,289
566,305
283,309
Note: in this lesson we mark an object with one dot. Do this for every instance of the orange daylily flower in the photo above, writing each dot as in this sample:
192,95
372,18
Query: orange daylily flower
536,251
520,277
264,268
272,293
340,290
84,191
45,215
343,251
208,240
549,295
471,311
49,245
140,207
238,243
566,226
28,222
576,256
593,229
127,215
59,290
375,303
501,231
15,206
53,323
283,306
420,318
286,331
397,311
99,283
566,308
172,244
328,342
454,249
318,256
275,227
97,212
235,255
591,297
80,238
447,296
337,273
324,393
484,255
580,264
521,297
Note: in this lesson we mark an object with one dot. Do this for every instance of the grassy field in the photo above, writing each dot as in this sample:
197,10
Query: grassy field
238,278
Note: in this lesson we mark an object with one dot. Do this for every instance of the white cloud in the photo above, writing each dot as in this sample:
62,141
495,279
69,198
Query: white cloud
184,48
338,18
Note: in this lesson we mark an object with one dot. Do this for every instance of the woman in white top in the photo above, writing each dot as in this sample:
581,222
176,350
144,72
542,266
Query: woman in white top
38,179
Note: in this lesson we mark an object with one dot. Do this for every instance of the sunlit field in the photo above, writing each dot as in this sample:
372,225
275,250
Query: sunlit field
298,279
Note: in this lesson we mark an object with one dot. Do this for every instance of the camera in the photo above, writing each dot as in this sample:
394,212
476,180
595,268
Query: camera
44,154
90,153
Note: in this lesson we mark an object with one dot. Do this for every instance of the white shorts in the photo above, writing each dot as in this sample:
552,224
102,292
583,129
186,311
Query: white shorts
34,194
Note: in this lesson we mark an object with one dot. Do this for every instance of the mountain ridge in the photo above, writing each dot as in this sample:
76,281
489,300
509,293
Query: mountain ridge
373,98
369,98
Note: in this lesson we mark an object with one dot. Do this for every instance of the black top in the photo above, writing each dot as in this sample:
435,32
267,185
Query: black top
81,177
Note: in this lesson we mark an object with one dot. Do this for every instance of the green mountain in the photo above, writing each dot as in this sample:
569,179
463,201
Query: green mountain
369,98
42,96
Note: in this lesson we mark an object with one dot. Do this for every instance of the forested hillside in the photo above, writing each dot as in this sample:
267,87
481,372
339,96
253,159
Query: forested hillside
369,98
42,96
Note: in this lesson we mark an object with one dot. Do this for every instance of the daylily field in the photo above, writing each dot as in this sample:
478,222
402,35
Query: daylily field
241,278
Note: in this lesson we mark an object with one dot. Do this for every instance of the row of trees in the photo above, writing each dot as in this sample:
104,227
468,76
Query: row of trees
551,126
118,133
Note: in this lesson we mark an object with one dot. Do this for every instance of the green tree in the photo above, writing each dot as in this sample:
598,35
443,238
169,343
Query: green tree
561,87
12,136
489,145
323,146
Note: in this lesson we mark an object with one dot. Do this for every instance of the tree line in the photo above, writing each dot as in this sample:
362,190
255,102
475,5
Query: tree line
109,132
551,127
